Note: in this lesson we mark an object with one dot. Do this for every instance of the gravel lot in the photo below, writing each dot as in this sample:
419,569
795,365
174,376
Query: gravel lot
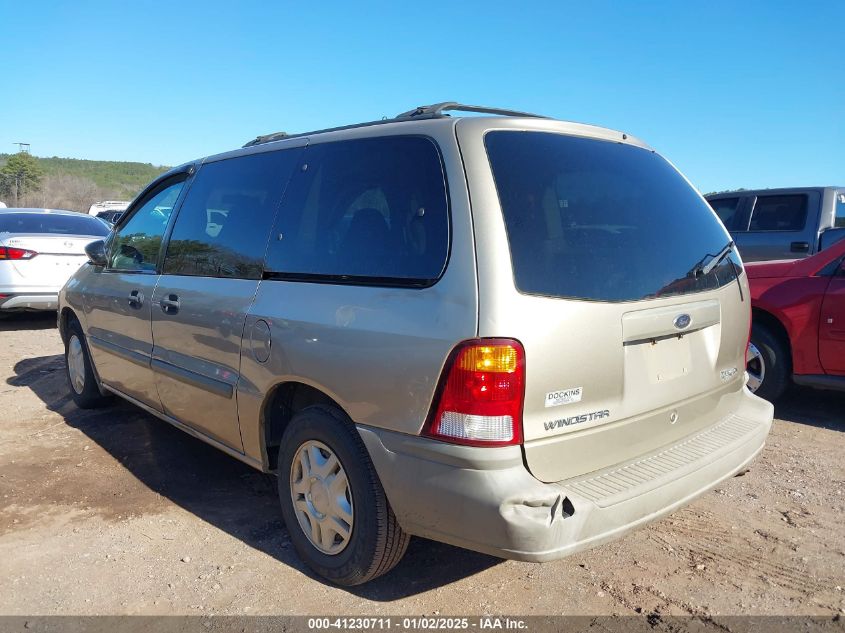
116,512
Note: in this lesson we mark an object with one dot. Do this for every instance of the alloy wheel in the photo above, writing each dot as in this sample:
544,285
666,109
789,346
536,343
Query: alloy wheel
755,366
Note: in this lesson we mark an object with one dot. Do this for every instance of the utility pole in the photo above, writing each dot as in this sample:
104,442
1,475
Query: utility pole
23,148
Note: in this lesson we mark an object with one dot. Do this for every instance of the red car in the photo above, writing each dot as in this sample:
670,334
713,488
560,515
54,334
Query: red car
798,323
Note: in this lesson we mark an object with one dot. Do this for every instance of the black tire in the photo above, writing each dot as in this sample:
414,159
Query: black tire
89,396
377,542
777,361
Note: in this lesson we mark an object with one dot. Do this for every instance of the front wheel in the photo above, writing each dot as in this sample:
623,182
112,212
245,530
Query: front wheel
332,501
80,373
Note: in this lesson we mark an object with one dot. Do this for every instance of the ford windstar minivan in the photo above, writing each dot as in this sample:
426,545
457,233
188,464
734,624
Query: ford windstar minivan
513,334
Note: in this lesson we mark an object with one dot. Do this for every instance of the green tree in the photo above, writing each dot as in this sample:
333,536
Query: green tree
20,175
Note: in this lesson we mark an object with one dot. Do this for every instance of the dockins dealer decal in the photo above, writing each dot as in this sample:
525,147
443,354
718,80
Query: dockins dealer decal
576,419
563,396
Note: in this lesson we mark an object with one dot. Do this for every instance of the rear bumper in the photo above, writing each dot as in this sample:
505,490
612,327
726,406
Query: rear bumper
485,499
30,301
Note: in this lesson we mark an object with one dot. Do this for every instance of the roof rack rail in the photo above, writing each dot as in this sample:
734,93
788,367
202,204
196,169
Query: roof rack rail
437,110
266,138
434,111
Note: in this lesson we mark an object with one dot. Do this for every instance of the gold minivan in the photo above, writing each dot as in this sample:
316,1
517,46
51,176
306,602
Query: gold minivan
509,333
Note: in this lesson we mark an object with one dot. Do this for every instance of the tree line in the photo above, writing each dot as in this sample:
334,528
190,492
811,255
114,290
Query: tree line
69,183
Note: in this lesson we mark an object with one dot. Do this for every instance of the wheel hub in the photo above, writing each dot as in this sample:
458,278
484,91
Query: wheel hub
321,496
318,497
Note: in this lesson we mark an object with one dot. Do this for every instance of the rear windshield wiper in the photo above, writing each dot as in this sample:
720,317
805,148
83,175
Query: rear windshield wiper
701,269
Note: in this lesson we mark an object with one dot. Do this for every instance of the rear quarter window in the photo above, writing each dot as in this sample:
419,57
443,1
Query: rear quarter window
372,211
603,221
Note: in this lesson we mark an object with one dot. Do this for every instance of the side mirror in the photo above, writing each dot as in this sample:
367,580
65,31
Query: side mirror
831,236
96,252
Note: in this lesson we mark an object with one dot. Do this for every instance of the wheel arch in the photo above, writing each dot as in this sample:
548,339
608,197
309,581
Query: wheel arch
773,325
64,318
281,403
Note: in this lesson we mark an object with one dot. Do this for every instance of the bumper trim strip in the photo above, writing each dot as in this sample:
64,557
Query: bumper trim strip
663,463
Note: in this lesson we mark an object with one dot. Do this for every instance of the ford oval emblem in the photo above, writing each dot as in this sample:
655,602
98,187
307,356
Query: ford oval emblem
682,321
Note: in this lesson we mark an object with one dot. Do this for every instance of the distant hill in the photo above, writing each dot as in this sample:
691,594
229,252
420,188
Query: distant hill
73,183
108,174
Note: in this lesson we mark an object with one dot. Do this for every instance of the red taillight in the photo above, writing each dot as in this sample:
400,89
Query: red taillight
480,395
7,252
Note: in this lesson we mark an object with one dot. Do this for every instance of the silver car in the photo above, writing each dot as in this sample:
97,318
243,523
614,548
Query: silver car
39,250
512,334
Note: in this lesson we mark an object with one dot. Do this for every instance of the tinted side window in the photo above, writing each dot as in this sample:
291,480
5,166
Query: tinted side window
840,210
726,209
372,208
779,213
137,244
223,225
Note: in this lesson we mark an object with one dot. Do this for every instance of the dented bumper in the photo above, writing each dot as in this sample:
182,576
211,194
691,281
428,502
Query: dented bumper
485,500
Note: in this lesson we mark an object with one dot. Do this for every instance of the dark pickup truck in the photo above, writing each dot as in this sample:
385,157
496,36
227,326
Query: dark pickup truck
793,223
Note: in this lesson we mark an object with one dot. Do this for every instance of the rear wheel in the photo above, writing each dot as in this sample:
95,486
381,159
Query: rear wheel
767,364
80,374
332,501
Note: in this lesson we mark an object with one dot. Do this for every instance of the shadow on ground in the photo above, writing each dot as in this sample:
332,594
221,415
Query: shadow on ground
217,488
822,409
27,321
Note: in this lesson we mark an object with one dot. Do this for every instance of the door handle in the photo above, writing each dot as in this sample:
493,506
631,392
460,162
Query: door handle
136,299
800,247
170,304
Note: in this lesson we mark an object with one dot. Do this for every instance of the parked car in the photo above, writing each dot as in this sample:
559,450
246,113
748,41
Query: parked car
798,329
108,210
99,208
39,250
110,216
771,224
463,328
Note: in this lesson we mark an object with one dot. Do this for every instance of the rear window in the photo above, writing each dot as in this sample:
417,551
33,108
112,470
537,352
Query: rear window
602,221
52,224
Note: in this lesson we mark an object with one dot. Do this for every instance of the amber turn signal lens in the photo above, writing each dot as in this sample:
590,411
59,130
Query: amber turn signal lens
492,358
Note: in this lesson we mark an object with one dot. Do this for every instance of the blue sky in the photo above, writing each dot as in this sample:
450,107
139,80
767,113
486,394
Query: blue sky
736,94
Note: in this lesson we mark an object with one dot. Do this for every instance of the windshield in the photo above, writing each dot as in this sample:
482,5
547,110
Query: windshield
51,223
603,221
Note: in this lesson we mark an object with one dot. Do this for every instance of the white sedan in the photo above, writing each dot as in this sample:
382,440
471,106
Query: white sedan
39,250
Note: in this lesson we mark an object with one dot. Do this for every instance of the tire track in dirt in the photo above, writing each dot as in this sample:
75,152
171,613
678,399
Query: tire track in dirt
706,540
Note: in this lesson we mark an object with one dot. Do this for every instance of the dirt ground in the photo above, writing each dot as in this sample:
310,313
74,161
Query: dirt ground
116,512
